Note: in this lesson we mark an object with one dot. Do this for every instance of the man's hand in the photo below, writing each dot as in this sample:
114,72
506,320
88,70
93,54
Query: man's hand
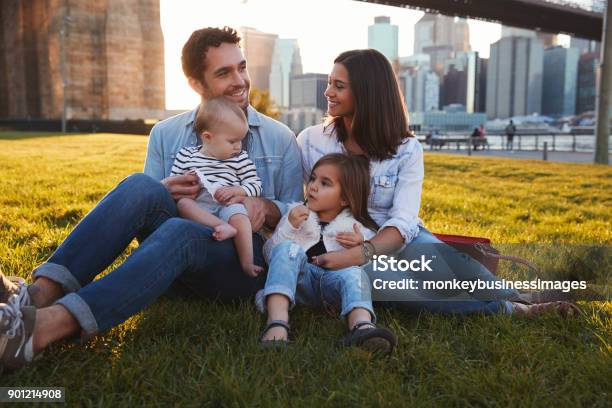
256,208
184,186
350,239
298,215
224,194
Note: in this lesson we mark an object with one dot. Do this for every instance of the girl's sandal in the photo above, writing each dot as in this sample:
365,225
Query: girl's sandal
377,340
276,344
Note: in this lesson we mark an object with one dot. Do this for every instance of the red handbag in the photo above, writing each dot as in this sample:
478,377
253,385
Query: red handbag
481,250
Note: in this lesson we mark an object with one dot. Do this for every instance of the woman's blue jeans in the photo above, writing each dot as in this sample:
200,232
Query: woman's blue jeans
447,264
303,283
174,253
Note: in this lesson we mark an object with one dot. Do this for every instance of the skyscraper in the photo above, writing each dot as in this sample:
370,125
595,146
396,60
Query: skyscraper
383,36
286,62
308,103
440,30
441,37
258,48
421,88
414,61
424,32
560,74
307,90
461,36
481,99
460,84
439,54
508,31
585,46
454,86
547,39
514,77
587,82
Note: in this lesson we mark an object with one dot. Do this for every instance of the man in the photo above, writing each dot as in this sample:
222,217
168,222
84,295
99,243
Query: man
510,130
175,255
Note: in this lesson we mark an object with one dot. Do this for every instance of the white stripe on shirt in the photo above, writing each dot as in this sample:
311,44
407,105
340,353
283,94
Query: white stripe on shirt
235,171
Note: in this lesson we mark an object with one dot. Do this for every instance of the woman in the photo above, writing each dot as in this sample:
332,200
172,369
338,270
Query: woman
367,117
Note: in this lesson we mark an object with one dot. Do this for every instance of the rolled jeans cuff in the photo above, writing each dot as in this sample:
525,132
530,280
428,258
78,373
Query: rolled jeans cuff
278,290
507,308
363,305
81,312
60,274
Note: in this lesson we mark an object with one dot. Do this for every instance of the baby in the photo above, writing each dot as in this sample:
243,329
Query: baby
225,172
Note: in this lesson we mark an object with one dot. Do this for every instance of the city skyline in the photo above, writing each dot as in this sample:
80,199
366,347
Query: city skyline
179,19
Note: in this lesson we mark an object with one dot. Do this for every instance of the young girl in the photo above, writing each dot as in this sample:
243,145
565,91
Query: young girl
335,217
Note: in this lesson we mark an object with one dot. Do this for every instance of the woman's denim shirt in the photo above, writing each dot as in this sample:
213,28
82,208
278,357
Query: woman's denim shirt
270,145
395,183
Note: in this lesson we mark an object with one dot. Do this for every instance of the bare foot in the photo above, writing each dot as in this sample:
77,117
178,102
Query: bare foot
224,231
565,309
252,270
275,333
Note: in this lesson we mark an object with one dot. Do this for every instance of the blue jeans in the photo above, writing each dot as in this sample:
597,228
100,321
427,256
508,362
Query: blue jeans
448,264
303,283
175,256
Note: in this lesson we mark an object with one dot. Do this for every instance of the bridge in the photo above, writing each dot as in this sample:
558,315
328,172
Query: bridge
588,19
579,18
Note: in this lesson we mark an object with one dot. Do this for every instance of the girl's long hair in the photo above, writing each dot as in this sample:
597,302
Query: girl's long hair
354,182
380,121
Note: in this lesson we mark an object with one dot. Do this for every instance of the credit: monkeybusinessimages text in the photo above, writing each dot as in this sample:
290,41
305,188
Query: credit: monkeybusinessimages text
384,263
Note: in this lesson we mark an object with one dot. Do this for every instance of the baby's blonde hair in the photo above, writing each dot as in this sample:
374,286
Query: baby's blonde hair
216,113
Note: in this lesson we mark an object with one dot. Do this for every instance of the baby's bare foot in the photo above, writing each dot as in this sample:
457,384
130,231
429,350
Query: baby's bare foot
252,270
224,231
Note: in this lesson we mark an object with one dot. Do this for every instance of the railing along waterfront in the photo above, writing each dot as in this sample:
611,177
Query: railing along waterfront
556,142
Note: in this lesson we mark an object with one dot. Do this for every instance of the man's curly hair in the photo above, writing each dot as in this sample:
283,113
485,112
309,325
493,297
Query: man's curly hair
193,57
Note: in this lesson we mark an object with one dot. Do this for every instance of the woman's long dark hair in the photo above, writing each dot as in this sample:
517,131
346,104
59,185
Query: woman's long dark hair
380,122
354,182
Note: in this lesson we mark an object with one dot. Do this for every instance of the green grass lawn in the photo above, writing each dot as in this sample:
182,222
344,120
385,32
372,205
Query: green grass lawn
202,353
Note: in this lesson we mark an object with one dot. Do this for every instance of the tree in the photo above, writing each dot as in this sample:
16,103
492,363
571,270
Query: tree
262,102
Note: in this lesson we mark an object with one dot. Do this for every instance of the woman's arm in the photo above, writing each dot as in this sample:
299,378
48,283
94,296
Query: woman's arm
404,211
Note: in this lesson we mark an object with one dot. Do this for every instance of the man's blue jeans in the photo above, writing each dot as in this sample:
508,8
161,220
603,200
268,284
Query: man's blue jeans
447,264
303,283
174,253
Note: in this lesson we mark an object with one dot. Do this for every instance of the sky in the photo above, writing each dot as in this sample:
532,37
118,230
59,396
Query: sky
323,28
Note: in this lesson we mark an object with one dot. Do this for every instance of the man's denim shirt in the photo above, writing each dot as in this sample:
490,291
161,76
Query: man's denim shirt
270,145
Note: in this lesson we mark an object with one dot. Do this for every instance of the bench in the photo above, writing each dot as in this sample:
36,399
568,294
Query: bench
443,141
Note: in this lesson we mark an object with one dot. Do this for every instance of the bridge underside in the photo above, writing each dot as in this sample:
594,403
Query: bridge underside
531,14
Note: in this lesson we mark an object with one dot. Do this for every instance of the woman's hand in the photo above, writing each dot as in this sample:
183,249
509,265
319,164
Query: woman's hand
326,260
350,239
298,215
339,259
